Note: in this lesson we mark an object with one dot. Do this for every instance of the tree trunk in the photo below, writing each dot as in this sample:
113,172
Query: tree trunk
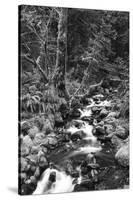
61,56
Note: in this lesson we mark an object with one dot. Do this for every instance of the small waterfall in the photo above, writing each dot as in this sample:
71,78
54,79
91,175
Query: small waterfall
85,113
63,183
93,145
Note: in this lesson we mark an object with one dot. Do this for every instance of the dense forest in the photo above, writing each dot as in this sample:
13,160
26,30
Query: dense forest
74,100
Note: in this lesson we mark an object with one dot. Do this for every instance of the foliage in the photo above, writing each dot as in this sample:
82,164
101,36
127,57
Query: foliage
62,49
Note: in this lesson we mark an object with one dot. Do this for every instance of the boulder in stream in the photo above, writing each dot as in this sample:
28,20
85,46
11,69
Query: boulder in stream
122,156
96,109
103,113
52,177
99,130
77,135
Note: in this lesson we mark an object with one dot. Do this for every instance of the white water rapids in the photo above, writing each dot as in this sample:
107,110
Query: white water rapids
64,182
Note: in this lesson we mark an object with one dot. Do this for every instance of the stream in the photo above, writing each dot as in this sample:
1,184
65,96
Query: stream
86,148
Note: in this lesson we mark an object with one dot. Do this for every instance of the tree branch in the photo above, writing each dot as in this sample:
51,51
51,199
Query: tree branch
35,62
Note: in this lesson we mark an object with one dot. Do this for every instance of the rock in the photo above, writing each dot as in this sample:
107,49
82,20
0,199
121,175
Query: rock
23,165
90,158
75,174
35,149
117,142
79,188
33,168
40,153
37,172
58,120
112,121
33,131
109,129
95,110
44,149
103,113
25,126
22,177
47,128
24,190
65,137
32,159
77,135
106,91
104,139
52,141
39,137
99,130
52,177
83,168
42,162
45,142
96,98
87,119
39,122
121,132
69,167
122,156
24,150
112,114
33,180
29,186
101,123
84,171
109,137
85,185
27,141
77,123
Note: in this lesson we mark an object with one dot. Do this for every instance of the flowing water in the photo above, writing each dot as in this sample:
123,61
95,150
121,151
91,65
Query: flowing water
63,183
89,144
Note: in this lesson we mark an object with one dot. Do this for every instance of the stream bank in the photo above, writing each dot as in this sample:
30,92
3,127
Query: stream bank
87,150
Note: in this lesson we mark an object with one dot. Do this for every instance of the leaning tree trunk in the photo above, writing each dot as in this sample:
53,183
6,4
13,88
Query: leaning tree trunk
61,56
